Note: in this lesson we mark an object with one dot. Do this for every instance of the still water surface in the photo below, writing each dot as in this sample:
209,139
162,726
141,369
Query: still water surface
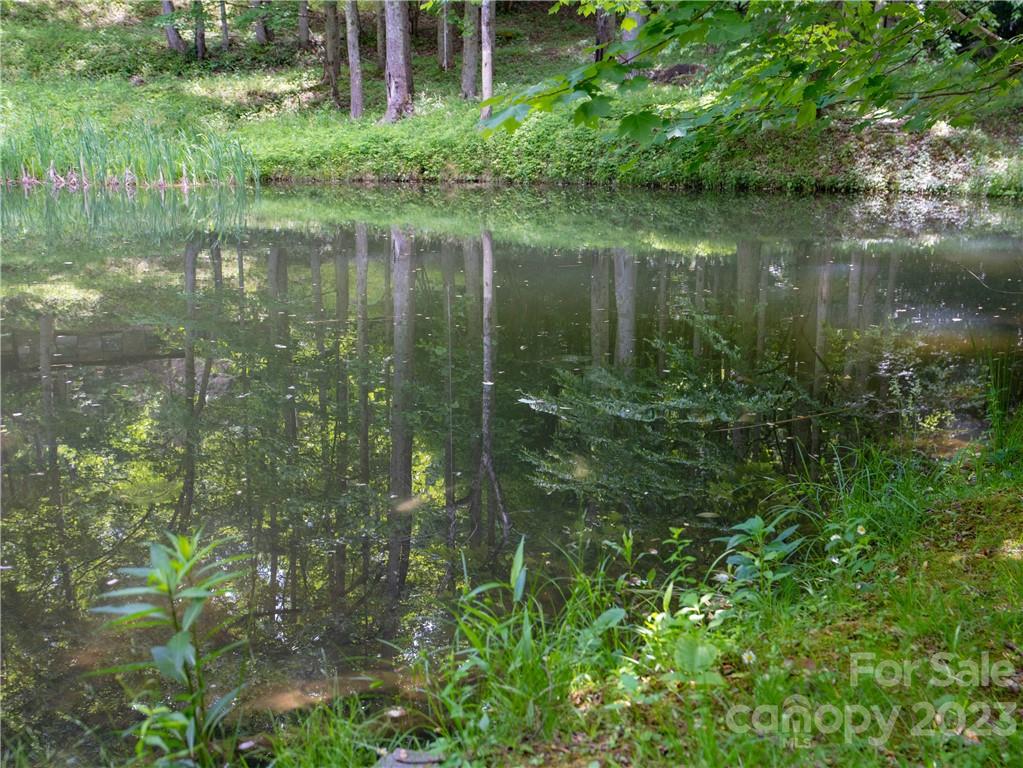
362,384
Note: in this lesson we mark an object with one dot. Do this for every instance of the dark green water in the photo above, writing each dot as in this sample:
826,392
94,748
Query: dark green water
332,376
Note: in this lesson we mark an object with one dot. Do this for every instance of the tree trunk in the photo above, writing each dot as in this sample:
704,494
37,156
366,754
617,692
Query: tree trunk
174,41
331,50
46,380
762,292
399,80
200,29
662,314
450,509
410,28
852,320
629,37
303,23
186,500
316,276
474,332
698,304
225,37
487,35
354,59
605,33
362,321
263,34
341,302
487,471
470,50
342,426
381,22
400,476
820,348
600,305
747,270
445,38
625,305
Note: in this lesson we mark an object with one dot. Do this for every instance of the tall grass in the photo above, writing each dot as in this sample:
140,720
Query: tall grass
1002,388
524,659
139,155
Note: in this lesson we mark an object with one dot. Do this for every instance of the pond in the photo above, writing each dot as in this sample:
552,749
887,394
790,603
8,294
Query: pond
378,392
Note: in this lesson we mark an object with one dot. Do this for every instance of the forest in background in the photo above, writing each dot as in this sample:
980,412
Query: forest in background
206,91
526,467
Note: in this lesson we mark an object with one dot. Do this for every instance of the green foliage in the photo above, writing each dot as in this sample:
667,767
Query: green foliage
178,585
757,555
143,156
343,733
799,65
1004,383
62,68
514,663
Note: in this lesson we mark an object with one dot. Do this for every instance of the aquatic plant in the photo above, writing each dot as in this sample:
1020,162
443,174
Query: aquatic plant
139,156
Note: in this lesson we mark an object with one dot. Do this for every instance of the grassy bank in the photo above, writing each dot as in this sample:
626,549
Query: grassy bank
877,616
78,91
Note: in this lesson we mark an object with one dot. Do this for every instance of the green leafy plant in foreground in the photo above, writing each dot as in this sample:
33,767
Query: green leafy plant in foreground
178,585
757,553
513,664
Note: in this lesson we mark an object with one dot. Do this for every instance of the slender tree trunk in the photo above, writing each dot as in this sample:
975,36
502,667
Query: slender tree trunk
747,269
445,37
762,288
820,347
342,425
474,331
200,29
471,51
341,302
488,37
605,33
263,34
331,49
225,37
381,22
354,59
316,275
698,305
303,23
400,477
412,12
852,310
361,321
600,308
889,294
625,306
487,472
174,41
449,441
629,37
183,515
46,343
662,314
399,80
278,284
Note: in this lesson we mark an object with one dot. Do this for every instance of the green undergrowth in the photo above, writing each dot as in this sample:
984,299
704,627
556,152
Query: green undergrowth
881,599
77,91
